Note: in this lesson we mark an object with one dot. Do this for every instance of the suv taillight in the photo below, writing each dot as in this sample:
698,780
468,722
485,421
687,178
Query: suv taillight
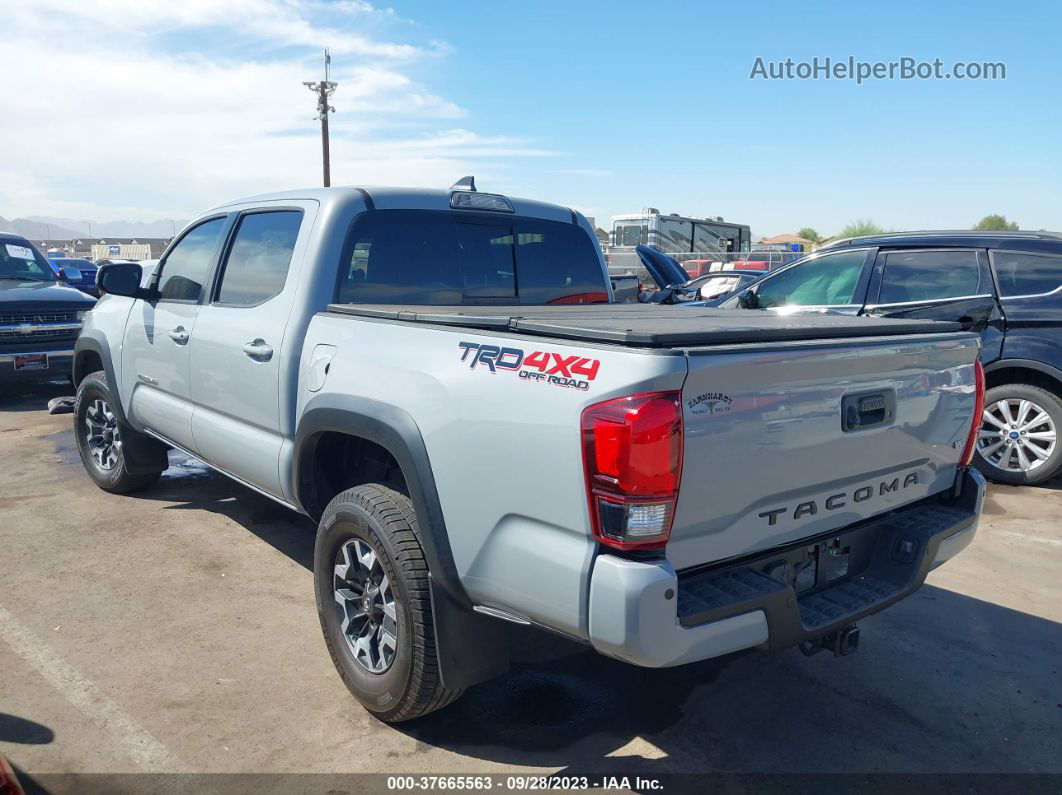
978,417
632,451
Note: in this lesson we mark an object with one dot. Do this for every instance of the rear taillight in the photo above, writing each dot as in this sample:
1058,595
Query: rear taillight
632,452
979,410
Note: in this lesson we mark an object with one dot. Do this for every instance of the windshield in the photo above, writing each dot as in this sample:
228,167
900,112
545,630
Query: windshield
631,233
20,261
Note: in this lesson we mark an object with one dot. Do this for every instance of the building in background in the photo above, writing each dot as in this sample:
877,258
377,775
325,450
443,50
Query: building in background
136,248
81,249
787,243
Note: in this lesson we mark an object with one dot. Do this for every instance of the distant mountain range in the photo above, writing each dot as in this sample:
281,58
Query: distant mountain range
42,227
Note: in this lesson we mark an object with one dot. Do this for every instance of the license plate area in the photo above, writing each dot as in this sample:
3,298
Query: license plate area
31,361
819,563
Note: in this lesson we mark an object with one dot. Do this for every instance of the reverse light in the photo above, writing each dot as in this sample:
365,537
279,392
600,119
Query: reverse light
632,453
978,416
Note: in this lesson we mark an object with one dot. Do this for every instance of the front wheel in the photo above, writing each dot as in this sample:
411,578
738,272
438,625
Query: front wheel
373,600
101,439
1018,440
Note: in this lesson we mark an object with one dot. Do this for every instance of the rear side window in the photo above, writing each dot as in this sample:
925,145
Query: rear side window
928,276
447,258
1026,274
257,265
188,262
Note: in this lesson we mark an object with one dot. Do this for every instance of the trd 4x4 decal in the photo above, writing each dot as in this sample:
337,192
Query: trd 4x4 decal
558,369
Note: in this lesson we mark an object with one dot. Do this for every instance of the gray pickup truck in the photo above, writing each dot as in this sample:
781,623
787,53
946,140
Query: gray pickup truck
441,379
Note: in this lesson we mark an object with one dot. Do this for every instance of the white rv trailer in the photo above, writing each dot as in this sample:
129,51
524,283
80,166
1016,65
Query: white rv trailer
672,234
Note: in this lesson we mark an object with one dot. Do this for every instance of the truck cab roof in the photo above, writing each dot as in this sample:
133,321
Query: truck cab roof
399,198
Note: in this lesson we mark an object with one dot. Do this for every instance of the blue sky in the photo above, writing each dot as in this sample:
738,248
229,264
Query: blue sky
605,106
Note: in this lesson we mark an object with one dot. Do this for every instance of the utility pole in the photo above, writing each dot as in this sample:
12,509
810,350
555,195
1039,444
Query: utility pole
324,90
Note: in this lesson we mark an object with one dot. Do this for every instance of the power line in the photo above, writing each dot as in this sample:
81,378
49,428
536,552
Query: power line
324,90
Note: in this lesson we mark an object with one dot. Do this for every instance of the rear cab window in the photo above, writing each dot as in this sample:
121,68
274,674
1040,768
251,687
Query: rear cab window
916,276
446,258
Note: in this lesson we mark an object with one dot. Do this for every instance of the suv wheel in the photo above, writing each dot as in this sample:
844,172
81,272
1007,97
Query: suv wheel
1018,441
101,438
371,584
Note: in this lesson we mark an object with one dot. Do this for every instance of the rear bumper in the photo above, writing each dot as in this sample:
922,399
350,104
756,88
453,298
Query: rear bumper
60,365
646,614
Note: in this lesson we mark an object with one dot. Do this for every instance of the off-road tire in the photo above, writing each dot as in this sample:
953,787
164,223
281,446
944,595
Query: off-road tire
1052,405
117,479
385,520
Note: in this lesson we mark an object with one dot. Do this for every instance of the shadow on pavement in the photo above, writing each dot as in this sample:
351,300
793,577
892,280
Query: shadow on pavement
17,398
14,729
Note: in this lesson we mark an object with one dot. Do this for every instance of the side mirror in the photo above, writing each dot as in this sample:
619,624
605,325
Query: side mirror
69,274
120,278
749,299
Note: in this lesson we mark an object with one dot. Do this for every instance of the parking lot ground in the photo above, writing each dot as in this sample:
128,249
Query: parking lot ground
176,631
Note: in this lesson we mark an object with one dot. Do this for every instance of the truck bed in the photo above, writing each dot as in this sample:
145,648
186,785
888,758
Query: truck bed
648,325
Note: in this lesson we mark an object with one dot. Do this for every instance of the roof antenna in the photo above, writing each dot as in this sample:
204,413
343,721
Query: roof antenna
465,183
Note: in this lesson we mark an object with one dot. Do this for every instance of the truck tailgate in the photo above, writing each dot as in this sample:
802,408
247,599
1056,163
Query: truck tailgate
787,441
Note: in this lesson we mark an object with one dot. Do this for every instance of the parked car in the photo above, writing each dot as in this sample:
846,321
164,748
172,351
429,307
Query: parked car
1005,285
64,268
626,289
713,288
675,285
763,260
413,369
108,261
40,317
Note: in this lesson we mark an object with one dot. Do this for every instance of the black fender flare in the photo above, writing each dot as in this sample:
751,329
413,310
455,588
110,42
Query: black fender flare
93,341
471,647
1027,364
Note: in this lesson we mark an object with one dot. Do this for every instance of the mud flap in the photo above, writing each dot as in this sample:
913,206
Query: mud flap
471,647
143,454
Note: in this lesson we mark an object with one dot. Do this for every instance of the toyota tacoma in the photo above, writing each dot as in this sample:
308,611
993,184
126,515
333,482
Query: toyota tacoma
441,380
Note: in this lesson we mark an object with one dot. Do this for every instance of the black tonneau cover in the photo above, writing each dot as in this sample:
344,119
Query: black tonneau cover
650,325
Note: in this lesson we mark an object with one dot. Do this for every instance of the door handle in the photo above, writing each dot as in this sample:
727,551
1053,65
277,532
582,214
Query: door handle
258,350
179,335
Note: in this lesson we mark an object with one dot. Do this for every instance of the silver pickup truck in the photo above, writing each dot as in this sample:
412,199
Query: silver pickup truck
441,379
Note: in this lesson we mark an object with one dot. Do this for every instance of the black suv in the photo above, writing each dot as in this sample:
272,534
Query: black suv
1005,285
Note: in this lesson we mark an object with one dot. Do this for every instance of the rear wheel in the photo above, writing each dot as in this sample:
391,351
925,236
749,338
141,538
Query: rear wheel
101,438
371,583
1018,441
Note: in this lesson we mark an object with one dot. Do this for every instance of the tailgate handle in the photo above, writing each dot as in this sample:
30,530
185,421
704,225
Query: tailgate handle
867,409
